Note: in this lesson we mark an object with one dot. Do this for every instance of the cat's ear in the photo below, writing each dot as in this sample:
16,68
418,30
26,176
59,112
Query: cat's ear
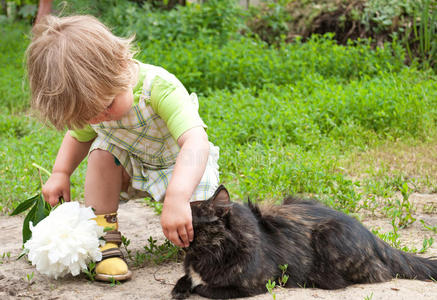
221,196
221,201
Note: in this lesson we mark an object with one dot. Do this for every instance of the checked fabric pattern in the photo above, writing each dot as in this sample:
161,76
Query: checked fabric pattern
145,147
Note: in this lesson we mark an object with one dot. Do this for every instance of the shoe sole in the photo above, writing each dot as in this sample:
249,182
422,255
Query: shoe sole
111,278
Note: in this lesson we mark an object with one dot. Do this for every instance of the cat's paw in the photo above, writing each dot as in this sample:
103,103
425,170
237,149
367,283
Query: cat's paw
179,294
182,288
199,289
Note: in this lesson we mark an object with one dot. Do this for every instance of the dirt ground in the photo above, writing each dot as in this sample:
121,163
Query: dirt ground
138,222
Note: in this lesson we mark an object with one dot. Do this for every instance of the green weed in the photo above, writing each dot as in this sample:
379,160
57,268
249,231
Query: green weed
159,254
427,242
282,281
391,237
284,277
126,242
6,257
270,285
153,253
155,205
430,228
430,208
369,297
403,212
90,272
29,277
114,282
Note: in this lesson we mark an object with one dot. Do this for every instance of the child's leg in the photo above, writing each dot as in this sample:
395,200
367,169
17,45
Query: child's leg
104,181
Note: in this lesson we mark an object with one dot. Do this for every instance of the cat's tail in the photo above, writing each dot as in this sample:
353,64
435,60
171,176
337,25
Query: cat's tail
409,266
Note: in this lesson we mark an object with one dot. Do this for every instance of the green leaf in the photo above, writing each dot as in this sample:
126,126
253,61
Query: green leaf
27,234
25,205
21,255
47,207
41,212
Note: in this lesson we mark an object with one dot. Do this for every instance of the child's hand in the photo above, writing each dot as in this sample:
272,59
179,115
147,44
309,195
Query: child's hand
176,222
56,187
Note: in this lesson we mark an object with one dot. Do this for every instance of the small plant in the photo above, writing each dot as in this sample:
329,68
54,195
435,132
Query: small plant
90,272
140,258
402,211
284,277
153,252
270,285
391,237
114,282
426,244
431,228
156,205
430,208
126,242
370,204
6,256
370,297
29,277
161,253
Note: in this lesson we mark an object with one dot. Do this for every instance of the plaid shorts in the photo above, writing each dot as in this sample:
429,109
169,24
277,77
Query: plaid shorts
145,182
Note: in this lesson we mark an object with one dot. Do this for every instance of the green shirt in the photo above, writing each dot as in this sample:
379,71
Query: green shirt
169,100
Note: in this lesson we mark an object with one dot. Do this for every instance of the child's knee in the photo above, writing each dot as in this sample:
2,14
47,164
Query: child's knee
104,160
103,156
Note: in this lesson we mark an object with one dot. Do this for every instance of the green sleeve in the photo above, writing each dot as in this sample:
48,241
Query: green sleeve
173,104
85,134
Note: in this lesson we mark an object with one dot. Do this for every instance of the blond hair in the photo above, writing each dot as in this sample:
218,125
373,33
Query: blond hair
75,67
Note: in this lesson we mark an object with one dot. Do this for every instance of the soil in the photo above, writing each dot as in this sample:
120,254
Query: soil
138,222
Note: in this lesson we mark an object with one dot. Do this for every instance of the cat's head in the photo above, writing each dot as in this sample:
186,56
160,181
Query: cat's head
210,217
213,209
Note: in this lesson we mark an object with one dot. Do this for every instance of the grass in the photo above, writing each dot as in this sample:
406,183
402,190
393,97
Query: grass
349,125
389,162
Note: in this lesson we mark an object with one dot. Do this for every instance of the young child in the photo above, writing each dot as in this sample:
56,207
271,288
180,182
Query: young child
137,123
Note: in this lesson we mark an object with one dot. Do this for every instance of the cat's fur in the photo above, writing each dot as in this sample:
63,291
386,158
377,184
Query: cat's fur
238,248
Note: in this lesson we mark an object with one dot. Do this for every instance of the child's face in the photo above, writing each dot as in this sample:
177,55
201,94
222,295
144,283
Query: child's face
121,104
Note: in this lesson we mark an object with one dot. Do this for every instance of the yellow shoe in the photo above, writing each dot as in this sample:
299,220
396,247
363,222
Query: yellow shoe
112,266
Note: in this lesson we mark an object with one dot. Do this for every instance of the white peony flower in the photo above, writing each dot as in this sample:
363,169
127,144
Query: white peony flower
65,241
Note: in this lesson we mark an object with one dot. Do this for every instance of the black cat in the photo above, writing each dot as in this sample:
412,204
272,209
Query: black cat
238,248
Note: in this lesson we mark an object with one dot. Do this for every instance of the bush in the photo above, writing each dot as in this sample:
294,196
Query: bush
218,19
413,22
23,9
204,66
314,110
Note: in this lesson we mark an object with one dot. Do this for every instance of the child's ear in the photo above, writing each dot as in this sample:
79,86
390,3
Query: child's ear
221,201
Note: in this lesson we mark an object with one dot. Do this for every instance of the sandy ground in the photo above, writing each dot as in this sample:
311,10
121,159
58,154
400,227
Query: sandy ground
138,222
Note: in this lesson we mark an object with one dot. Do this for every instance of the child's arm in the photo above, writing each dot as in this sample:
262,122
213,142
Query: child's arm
70,154
176,219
